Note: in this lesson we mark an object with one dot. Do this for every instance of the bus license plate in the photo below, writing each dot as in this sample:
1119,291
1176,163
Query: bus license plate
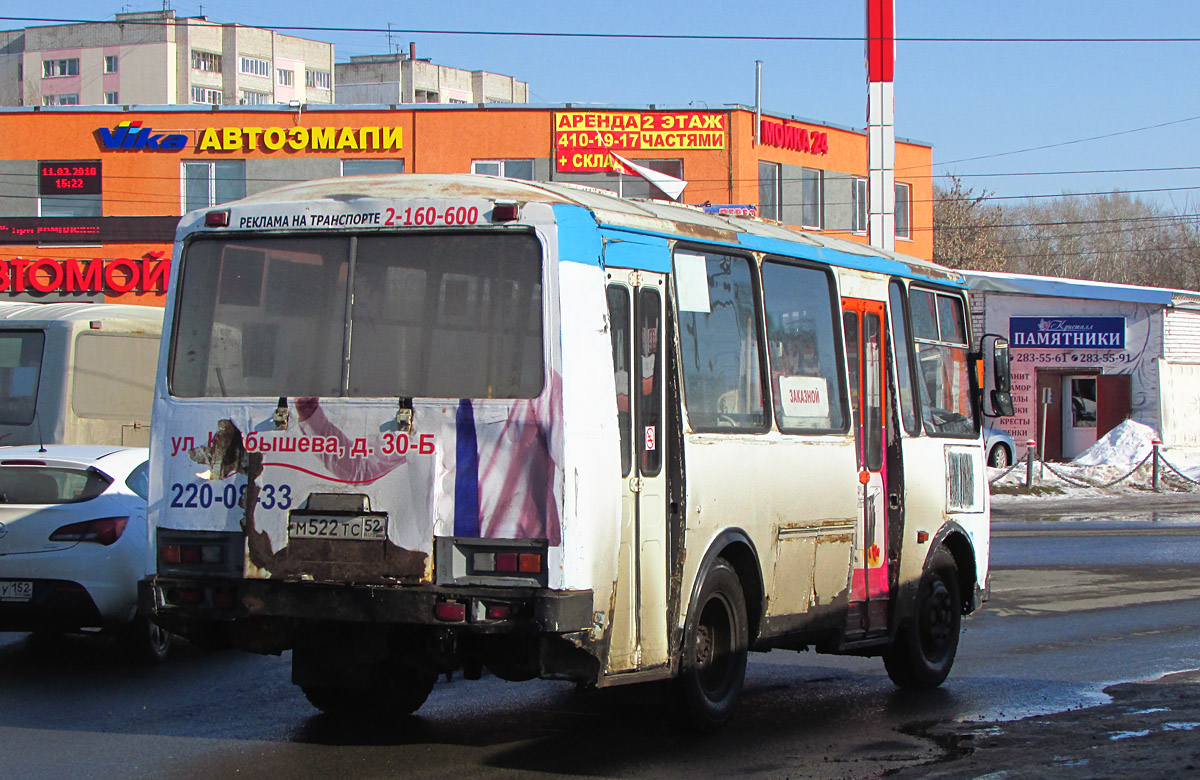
16,590
330,527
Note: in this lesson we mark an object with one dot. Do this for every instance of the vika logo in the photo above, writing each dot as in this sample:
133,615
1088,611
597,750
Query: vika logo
131,136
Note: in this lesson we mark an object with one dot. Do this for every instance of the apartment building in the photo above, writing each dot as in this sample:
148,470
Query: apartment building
385,79
157,58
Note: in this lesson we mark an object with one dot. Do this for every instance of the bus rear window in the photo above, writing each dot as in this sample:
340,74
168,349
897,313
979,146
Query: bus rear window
442,315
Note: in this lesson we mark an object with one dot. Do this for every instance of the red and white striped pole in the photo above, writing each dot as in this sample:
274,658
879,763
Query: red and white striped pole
881,127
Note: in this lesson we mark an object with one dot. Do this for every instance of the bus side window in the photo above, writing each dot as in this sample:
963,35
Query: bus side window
802,348
719,341
850,328
618,329
649,386
904,380
940,333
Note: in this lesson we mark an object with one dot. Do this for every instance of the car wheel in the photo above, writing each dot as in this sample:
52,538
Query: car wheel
145,641
401,692
999,457
924,648
713,662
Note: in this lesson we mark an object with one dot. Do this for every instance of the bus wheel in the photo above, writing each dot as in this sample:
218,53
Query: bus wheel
713,662
401,692
924,649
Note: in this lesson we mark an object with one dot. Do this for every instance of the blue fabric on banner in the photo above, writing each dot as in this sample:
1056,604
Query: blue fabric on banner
466,472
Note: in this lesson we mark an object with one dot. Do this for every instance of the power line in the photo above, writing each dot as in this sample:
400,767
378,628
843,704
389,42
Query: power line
1069,143
1057,173
639,36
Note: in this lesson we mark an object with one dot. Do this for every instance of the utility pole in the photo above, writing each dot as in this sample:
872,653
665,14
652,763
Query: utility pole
881,126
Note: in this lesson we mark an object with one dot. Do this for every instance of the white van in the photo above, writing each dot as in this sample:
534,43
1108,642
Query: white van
77,373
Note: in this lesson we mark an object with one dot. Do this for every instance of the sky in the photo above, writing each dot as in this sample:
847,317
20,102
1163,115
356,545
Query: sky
981,105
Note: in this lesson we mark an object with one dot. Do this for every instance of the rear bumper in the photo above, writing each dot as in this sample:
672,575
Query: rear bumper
175,601
57,605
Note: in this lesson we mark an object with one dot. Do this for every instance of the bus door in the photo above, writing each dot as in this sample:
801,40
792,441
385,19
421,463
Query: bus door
639,620
863,323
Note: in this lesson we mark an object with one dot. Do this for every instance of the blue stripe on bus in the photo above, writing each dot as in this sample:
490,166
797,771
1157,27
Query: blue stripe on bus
578,235
645,253
466,472
651,261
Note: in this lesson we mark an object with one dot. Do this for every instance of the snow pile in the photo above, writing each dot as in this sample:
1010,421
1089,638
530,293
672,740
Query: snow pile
1124,447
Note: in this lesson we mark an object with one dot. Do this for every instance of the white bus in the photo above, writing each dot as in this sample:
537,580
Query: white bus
410,425
77,373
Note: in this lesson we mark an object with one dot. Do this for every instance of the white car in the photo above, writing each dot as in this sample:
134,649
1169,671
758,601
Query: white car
74,543
999,446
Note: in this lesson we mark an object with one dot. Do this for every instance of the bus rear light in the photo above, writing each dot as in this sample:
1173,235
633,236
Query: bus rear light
529,563
450,612
497,612
190,595
225,598
217,218
507,562
191,553
505,211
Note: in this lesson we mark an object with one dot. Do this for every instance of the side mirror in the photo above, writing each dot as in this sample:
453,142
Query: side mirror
997,376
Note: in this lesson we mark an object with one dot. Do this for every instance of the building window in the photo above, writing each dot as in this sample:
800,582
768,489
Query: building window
111,98
318,79
634,186
456,100
768,190
285,76
212,183
206,61
903,210
55,68
255,67
859,199
361,167
511,169
110,63
252,98
69,206
211,97
426,96
70,99
812,198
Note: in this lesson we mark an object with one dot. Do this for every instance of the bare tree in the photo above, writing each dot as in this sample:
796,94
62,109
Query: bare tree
966,229
1113,237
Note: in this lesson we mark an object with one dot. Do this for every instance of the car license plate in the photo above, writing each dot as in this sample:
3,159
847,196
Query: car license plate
337,527
17,590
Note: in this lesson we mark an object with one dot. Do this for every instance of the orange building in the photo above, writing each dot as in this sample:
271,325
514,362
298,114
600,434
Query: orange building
89,197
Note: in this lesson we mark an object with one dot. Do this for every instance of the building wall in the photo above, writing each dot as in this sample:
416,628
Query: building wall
436,139
1140,359
18,188
154,51
1181,336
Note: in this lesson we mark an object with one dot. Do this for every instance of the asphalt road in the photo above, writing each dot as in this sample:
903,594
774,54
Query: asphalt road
1077,603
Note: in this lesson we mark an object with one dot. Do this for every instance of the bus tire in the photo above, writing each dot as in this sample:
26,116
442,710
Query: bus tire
401,692
712,664
923,651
